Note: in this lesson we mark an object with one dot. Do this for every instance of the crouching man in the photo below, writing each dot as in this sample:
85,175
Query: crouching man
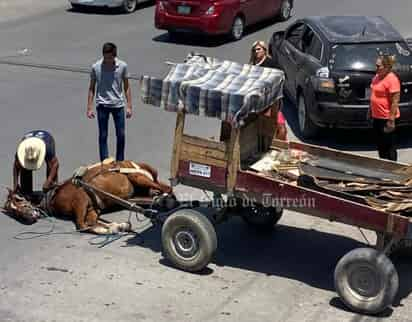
33,149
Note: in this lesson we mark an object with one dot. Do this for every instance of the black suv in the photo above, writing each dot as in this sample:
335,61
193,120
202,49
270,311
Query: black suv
329,63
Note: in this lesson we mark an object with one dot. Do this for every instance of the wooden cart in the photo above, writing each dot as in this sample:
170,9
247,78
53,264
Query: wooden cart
365,278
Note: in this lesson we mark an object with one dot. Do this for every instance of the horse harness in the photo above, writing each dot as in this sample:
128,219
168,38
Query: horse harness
97,202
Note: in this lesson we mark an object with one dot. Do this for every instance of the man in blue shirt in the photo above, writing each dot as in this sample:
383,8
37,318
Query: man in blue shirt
107,78
34,148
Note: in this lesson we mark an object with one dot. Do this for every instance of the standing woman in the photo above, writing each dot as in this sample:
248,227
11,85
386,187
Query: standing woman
384,106
259,56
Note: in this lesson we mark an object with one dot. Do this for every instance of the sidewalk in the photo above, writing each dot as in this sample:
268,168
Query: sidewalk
15,9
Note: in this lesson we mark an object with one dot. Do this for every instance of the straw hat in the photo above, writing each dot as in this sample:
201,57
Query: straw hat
31,153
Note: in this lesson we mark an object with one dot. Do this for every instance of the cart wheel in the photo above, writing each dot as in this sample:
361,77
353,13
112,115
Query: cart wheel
262,218
189,240
366,280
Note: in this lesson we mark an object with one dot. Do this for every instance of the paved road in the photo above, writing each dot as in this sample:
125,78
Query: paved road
19,9
284,276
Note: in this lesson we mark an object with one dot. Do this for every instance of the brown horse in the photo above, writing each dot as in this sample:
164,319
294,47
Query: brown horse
123,179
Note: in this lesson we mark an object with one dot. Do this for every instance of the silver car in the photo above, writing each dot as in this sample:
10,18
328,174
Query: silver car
127,6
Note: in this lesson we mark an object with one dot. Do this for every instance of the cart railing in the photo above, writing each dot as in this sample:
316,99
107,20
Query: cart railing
195,160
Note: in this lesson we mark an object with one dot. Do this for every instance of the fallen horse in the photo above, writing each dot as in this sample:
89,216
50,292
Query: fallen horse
124,179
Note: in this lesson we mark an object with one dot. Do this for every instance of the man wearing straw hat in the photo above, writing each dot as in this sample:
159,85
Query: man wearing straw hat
34,148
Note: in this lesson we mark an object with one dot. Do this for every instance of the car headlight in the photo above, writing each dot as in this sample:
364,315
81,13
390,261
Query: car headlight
323,72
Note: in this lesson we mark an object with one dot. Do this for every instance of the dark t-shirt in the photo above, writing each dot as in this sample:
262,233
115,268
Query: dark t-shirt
268,62
48,140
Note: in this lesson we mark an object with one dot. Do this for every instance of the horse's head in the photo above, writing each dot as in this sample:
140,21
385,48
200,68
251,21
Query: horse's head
20,209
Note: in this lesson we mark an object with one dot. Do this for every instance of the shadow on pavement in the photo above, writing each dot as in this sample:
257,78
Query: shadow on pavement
403,266
338,304
342,139
304,255
189,39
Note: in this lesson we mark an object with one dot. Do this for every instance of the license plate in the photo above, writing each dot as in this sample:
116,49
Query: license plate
200,170
367,92
183,10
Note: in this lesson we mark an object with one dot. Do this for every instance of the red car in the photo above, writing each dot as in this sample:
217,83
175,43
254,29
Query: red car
215,17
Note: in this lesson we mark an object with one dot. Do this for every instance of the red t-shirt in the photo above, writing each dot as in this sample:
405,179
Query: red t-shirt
281,118
380,95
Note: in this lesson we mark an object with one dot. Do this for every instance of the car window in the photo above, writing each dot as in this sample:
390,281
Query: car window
363,55
307,39
294,35
315,47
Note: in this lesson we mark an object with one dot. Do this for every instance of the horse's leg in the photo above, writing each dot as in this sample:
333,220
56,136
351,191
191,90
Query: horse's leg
104,227
115,227
95,225
140,180
80,206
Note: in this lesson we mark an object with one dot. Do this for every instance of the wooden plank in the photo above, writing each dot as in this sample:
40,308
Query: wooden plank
225,131
279,144
180,124
196,157
352,158
233,158
329,174
320,204
204,143
197,150
249,144
267,127
216,182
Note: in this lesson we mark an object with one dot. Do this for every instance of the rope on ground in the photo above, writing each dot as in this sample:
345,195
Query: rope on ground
100,240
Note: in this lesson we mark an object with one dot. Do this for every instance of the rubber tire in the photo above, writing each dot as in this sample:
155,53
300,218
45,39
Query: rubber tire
205,232
310,129
281,16
127,9
232,34
385,271
261,218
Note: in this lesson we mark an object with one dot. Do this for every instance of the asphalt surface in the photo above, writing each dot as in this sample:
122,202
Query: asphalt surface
283,276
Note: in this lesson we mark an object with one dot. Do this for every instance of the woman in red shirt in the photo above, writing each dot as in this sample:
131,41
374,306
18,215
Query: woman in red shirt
384,106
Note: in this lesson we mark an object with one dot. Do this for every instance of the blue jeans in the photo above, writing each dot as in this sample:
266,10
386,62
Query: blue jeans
103,114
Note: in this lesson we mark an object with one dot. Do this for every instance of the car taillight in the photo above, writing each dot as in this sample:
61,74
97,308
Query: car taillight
161,5
210,11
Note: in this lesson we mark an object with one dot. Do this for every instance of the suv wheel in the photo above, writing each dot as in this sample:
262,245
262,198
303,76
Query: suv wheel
129,6
238,28
307,128
285,10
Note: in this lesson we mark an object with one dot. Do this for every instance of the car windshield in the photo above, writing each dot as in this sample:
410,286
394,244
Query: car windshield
363,56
